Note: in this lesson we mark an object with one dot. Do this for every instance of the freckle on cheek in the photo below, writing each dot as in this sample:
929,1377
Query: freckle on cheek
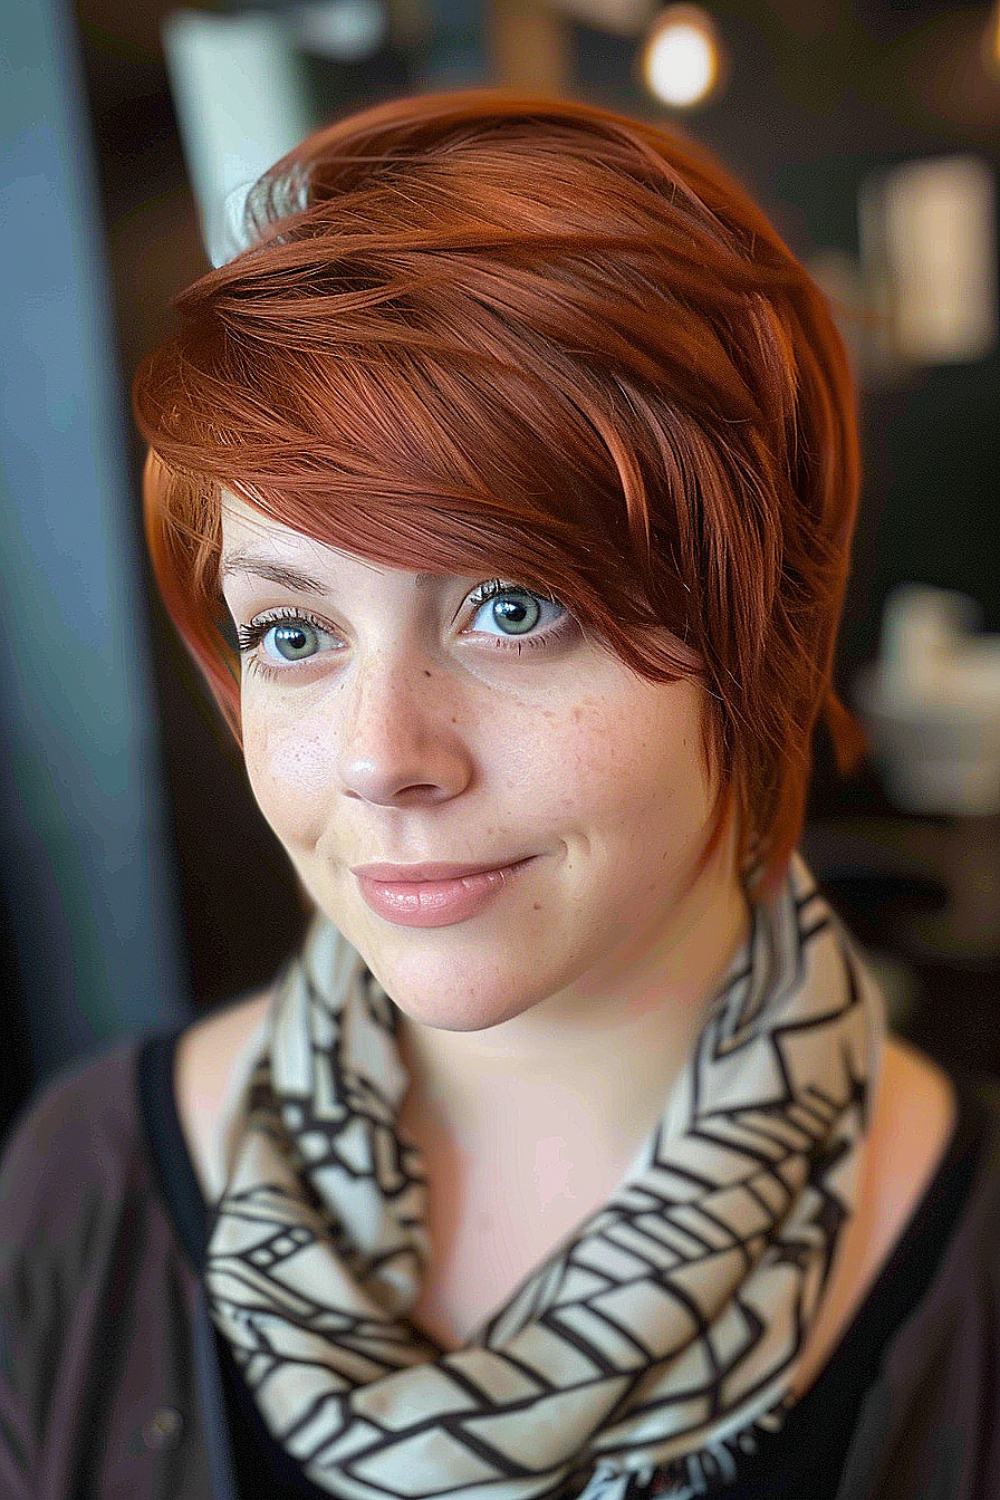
290,766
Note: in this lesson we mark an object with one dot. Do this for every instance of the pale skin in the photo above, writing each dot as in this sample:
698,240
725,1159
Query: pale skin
542,1034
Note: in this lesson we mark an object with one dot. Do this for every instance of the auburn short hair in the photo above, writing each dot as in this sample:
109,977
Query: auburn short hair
485,330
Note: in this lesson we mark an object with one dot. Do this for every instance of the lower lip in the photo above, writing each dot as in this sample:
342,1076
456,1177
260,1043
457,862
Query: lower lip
437,903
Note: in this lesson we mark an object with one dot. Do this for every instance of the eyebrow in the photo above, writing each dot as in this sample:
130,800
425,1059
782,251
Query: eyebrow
290,578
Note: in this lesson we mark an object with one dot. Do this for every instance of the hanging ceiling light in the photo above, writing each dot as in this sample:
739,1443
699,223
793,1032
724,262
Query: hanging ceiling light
682,57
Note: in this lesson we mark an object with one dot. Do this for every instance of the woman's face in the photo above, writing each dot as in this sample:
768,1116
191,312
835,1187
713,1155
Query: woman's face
398,718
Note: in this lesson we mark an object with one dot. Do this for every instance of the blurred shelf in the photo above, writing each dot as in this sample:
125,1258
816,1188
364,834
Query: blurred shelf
922,897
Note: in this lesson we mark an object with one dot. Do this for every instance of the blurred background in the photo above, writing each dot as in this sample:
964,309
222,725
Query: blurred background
138,884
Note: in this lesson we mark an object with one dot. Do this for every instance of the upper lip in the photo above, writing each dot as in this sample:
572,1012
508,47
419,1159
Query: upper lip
436,870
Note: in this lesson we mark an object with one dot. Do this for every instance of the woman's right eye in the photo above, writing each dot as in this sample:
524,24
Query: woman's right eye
291,642
281,642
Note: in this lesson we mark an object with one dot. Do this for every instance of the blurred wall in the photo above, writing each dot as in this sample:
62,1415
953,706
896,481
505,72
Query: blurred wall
87,868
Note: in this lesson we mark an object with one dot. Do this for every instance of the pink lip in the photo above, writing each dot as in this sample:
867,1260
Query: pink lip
437,870
433,895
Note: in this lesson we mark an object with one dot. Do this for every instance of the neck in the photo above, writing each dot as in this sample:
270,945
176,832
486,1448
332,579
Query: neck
599,1056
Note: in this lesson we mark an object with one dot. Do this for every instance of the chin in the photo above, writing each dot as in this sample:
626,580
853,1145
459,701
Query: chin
447,1007
454,978
441,991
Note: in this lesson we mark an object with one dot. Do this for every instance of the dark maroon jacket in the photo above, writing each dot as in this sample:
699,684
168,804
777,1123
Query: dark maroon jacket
109,1384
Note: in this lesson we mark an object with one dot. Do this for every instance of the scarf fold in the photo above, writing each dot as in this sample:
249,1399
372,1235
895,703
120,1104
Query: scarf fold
662,1335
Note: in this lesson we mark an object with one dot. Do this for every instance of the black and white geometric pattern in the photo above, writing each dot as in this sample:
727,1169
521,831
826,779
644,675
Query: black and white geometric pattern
660,1336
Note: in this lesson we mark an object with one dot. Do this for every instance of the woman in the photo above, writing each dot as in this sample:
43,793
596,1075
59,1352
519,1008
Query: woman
570,1156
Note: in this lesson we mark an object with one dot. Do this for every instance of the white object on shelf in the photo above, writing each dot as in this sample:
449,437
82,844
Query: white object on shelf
932,704
347,31
241,101
928,233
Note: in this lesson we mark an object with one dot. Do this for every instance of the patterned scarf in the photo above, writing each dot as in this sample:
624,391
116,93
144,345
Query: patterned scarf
659,1337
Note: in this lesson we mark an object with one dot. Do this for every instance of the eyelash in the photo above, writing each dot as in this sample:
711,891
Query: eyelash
250,637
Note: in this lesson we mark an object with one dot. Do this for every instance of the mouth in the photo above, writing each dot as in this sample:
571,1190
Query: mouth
436,870
436,894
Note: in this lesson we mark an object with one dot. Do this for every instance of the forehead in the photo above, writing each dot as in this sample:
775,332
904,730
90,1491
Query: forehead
257,544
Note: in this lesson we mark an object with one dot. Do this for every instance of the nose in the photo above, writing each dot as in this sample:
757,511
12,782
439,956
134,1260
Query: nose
401,743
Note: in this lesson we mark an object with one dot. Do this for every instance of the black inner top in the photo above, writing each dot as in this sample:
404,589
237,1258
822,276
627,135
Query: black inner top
804,1458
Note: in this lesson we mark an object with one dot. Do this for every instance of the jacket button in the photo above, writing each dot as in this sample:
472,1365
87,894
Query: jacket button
163,1429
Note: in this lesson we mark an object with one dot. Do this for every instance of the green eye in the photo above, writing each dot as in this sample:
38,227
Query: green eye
284,641
515,611
505,610
291,641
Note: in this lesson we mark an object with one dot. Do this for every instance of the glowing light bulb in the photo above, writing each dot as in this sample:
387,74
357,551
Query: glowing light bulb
681,61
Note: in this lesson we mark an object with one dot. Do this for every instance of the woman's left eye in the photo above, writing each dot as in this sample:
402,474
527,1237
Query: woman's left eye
513,612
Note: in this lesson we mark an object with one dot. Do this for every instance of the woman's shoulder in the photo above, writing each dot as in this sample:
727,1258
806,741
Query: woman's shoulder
98,1303
81,1138
82,1122
75,1172
912,1119
940,1153
915,1115
937,1409
205,1075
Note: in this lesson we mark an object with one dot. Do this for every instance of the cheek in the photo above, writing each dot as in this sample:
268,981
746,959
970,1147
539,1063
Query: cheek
643,767
291,773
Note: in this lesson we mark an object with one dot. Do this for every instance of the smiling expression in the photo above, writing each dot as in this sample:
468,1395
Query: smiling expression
407,718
